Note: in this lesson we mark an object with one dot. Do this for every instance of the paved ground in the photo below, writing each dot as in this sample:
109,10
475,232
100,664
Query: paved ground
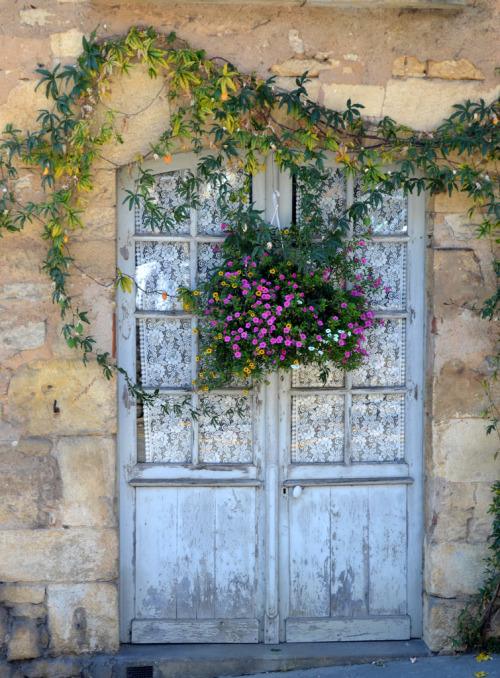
465,666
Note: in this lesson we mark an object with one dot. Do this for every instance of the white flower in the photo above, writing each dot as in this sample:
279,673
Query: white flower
295,367
311,348
320,352
298,301
269,245
328,331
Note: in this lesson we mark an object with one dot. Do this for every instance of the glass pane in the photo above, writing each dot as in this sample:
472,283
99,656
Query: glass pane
208,259
389,265
166,437
160,267
389,219
165,193
377,427
317,428
334,201
230,441
209,214
307,376
165,352
385,364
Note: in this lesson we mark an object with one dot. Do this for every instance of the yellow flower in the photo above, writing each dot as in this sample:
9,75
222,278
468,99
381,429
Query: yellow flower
195,331
295,362
194,381
286,231
258,293
245,391
272,271
234,285
205,388
288,263
289,325
261,352
197,358
252,314
221,273
196,293
209,350
201,374
220,336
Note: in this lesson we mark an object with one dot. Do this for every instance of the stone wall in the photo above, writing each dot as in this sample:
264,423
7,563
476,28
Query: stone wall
58,505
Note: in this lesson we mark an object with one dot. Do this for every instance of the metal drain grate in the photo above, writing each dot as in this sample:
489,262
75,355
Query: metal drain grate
139,672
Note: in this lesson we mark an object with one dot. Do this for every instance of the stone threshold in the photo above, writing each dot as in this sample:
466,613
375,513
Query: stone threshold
215,660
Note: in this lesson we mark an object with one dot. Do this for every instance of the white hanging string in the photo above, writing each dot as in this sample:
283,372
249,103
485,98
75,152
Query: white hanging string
276,195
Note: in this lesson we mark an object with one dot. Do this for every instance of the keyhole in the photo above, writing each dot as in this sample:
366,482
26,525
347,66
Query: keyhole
285,491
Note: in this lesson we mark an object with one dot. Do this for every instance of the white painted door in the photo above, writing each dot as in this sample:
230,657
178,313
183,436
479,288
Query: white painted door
301,521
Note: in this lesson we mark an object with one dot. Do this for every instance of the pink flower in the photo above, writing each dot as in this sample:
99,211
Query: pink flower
318,337
320,322
282,357
347,354
286,330
237,355
343,305
227,338
298,344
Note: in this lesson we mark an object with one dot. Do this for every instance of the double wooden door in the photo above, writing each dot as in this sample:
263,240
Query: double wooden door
300,521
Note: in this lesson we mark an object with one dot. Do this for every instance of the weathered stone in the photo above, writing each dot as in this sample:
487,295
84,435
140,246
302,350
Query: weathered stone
31,490
67,44
85,400
24,641
450,507
458,391
4,627
349,72
22,593
297,67
83,618
22,107
35,17
465,284
457,203
52,668
39,446
464,453
451,69
481,523
312,87
22,337
422,103
88,472
102,267
370,96
5,670
295,41
29,611
460,332
440,622
27,292
454,570
79,554
409,67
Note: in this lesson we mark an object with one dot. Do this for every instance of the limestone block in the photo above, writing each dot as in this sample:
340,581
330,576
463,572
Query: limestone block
88,475
129,96
451,69
96,258
463,453
24,641
83,618
408,67
458,203
55,668
31,490
458,392
67,44
460,332
35,17
370,96
423,103
22,337
294,68
79,554
22,106
450,507
454,570
440,622
26,292
4,628
39,446
481,523
85,398
295,41
29,611
22,593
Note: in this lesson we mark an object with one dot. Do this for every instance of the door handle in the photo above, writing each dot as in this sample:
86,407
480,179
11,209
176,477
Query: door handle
296,492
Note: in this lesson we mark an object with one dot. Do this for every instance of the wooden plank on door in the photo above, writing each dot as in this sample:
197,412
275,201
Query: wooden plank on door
235,545
310,552
156,553
195,631
344,629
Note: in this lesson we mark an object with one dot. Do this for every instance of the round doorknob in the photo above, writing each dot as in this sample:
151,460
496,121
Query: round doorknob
297,491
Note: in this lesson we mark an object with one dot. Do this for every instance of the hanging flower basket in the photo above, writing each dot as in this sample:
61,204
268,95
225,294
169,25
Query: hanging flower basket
265,313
